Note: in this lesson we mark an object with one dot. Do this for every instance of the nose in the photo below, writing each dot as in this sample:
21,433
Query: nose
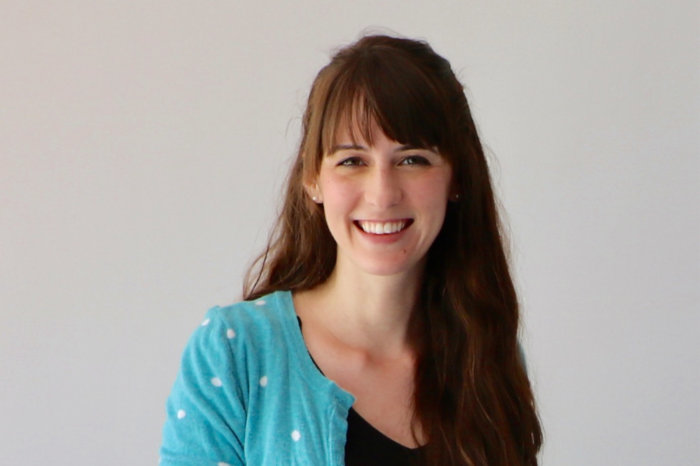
383,188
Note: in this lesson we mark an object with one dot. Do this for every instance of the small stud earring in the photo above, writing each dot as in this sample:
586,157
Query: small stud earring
457,197
314,198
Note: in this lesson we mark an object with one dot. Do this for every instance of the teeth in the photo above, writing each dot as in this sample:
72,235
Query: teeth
382,228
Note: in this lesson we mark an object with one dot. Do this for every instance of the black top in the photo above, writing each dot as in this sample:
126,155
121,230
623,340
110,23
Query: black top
366,446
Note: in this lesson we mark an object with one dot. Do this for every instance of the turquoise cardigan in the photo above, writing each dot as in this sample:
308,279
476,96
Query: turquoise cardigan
249,393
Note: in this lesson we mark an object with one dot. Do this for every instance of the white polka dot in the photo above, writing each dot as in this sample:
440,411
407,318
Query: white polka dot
181,414
263,381
215,381
260,302
296,435
230,333
205,322
221,463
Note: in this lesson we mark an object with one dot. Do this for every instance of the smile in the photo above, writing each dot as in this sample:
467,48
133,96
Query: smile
383,228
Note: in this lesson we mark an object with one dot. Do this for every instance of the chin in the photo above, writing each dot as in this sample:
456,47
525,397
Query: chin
386,268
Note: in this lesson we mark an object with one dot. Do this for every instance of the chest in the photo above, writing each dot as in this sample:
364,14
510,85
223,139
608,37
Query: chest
383,392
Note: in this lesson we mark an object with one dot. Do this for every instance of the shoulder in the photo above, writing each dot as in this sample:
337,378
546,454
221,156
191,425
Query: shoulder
249,320
233,339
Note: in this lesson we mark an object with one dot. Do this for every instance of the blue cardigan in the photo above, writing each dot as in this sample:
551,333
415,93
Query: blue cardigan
249,393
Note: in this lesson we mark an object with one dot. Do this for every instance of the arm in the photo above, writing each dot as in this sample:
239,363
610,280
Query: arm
206,413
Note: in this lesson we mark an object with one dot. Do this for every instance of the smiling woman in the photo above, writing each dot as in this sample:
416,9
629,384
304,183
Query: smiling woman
380,324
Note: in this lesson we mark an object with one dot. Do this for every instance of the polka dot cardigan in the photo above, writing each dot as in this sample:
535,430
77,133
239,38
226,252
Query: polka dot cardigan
249,393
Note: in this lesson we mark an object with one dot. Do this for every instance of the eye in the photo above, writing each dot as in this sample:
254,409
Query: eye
351,162
415,160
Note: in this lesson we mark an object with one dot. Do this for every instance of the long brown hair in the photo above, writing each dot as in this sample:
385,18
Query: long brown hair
472,396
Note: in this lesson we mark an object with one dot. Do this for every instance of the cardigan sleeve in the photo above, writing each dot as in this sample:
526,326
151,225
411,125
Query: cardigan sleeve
206,412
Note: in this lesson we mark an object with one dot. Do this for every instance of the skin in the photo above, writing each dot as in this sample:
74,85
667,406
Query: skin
356,323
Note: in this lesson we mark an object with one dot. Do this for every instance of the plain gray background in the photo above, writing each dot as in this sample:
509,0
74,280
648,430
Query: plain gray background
143,146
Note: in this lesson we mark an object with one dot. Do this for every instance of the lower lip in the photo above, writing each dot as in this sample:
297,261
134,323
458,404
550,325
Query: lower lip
385,238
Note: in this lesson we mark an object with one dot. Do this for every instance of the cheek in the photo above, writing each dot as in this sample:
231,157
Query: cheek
336,191
338,205
433,191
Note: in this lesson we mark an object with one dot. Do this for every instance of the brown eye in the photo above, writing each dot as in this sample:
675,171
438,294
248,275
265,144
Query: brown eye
415,160
350,162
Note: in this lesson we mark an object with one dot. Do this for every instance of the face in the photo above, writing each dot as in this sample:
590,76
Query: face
384,204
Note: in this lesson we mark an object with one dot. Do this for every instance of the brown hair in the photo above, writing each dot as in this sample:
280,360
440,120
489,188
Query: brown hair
472,395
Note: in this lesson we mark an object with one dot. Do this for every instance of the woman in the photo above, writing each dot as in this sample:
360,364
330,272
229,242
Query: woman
380,325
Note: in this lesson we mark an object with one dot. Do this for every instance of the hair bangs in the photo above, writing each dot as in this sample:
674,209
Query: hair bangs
385,91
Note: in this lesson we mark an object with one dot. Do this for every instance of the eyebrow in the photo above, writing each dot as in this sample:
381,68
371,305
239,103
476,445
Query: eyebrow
402,148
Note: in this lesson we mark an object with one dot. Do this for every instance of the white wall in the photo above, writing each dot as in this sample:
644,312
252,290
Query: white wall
142,149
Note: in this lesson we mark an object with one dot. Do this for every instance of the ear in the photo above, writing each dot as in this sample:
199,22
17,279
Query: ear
454,195
313,191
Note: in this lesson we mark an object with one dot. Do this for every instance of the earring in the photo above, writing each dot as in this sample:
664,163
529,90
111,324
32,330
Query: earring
315,198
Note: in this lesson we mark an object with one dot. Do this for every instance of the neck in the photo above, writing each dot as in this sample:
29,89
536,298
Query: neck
368,312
